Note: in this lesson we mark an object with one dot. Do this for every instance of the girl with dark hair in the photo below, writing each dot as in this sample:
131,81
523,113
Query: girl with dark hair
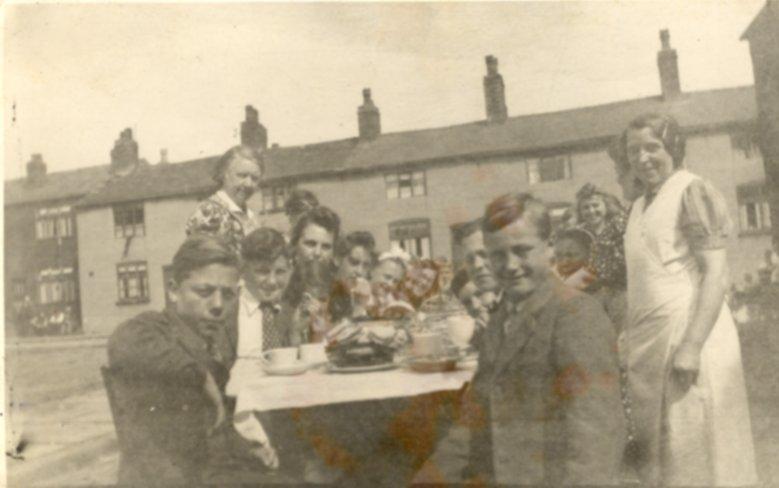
680,349
225,213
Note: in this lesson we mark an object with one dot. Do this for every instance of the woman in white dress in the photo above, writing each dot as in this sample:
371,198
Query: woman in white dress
680,349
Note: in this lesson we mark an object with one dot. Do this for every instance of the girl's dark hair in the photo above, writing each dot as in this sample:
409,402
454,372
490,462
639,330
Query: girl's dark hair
244,152
612,203
663,127
509,208
321,216
359,238
199,251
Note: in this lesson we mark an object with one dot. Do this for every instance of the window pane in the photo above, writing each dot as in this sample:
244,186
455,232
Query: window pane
404,183
44,296
533,175
766,215
418,184
552,169
752,219
424,247
392,187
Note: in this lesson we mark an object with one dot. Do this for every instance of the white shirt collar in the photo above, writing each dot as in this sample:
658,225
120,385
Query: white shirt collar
249,302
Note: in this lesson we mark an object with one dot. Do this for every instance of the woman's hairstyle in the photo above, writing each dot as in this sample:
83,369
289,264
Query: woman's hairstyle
416,301
199,251
663,127
310,275
264,244
464,229
578,235
359,238
511,207
300,201
612,203
244,152
321,216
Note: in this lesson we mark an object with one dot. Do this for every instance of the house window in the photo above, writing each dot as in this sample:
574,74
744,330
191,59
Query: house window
405,185
553,168
129,221
754,211
53,222
745,142
274,197
56,286
413,236
132,283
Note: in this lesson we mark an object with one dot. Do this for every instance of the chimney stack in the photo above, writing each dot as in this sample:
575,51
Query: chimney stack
124,155
368,117
253,133
668,66
163,156
494,92
36,169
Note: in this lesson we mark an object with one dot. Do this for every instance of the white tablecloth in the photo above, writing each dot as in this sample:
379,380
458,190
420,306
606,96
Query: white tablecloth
258,392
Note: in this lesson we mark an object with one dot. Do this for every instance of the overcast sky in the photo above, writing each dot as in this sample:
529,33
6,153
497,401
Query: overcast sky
180,75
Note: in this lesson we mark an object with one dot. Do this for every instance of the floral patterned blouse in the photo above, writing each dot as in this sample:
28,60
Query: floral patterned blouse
608,252
218,215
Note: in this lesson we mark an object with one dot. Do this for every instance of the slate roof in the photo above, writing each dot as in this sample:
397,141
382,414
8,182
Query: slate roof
60,185
527,134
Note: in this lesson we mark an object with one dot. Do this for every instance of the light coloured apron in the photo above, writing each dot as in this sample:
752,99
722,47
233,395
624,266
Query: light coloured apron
698,437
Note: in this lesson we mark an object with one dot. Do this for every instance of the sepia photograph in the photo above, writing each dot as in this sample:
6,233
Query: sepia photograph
389,244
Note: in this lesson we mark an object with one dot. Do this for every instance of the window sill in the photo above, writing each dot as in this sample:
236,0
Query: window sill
134,301
755,232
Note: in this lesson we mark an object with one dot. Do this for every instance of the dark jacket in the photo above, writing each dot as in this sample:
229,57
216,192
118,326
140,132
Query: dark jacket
546,393
158,365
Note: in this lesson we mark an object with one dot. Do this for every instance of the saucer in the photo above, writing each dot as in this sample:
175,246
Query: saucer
296,368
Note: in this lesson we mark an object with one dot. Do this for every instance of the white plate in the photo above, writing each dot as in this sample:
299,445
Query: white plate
296,368
361,369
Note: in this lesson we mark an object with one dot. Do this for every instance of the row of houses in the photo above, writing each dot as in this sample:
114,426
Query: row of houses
100,239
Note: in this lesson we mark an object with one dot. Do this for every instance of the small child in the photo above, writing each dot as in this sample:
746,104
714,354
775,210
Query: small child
572,253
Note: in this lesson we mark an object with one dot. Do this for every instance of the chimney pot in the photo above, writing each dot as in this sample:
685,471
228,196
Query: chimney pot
253,133
163,156
494,92
668,67
124,155
36,169
368,117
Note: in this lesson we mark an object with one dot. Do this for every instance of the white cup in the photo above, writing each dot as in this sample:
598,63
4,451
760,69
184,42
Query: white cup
460,330
427,344
313,353
285,356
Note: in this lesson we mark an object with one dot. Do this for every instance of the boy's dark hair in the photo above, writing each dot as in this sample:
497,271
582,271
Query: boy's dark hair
459,282
510,207
300,201
359,238
199,251
264,244
321,216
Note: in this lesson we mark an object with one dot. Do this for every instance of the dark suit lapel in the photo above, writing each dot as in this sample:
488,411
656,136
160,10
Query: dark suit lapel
522,325
189,340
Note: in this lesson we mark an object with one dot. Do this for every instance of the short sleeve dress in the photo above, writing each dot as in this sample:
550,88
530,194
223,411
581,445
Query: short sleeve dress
700,436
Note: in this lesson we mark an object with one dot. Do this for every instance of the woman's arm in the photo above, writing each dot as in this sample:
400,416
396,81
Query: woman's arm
714,284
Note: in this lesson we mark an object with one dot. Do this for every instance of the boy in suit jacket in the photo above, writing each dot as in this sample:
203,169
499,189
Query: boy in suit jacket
544,405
